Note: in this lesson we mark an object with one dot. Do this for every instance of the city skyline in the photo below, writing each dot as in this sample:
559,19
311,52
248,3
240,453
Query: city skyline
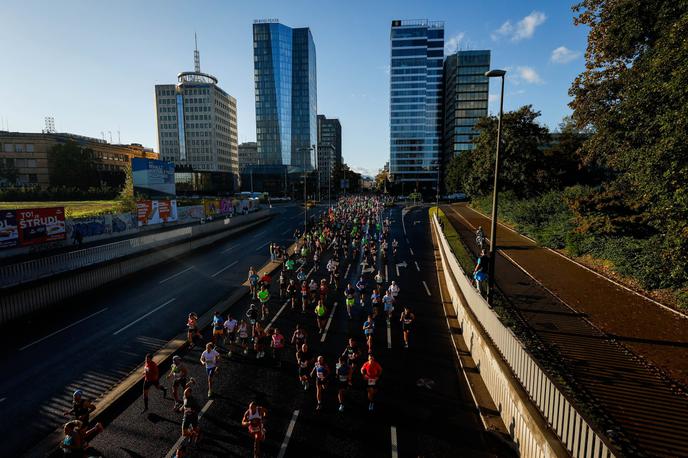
536,43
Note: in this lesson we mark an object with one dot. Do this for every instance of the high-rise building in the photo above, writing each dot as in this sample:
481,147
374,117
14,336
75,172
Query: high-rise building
286,94
416,101
330,132
466,96
248,155
197,123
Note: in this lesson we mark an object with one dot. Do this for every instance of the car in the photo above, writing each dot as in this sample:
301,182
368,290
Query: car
457,196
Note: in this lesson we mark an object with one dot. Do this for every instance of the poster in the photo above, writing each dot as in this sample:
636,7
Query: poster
156,212
41,225
9,235
212,207
153,179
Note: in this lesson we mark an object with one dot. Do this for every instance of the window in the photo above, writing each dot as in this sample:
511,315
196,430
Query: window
9,148
29,147
33,178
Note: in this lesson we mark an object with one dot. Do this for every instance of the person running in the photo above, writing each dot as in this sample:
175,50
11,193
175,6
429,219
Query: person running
252,314
313,290
368,331
151,377
264,298
388,305
259,336
299,337
265,280
361,288
282,285
407,318
349,298
343,373
242,331
301,275
375,302
394,289
191,408
218,327
303,361
254,420
320,371
277,343
379,279
481,270
292,293
290,265
352,353
304,296
324,290
230,333
81,407
192,329
320,312
178,373
480,238
371,372
76,437
210,358
253,279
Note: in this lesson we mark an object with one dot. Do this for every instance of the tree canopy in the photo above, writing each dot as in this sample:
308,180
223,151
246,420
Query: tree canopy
73,166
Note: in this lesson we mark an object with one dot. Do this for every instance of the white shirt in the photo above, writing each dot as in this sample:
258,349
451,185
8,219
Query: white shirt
210,358
394,289
230,325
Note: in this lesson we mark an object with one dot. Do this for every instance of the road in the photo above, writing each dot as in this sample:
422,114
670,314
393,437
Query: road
96,339
424,407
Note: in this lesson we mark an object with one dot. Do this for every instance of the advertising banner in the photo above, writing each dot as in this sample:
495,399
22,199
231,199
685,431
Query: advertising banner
156,211
9,234
40,225
211,206
191,212
153,179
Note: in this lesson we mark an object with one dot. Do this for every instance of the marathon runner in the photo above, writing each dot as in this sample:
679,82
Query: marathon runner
371,372
192,329
151,377
254,420
277,344
252,281
320,313
407,319
178,373
191,408
230,333
210,358
218,327
303,361
81,407
243,335
264,298
368,331
351,352
343,372
349,297
299,337
320,371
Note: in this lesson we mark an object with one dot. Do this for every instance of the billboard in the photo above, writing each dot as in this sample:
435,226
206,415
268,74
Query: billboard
40,225
156,211
153,179
9,233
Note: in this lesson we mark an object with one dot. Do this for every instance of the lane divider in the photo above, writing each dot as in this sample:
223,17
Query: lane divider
427,290
417,267
175,275
411,250
389,334
287,436
329,322
224,268
144,316
274,318
59,331
395,446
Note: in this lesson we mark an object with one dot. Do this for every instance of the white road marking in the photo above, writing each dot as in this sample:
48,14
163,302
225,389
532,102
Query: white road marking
263,246
389,335
287,435
329,321
144,316
176,445
60,330
274,318
346,274
229,249
259,234
287,231
411,250
407,241
2,399
224,268
427,290
395,447
417,267
403,223
386,273
175,275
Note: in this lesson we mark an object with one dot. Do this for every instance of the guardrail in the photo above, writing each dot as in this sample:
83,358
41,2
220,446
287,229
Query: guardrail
573,431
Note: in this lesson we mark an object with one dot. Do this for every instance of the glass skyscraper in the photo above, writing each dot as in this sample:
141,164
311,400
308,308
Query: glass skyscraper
466,96
416,101
286,94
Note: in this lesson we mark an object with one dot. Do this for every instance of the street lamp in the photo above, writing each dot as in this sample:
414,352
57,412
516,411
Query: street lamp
493,226
305,197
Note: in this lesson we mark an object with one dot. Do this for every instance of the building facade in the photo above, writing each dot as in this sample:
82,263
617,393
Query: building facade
416,101
466,97
248,155
330,132
197,123
27,154
286,94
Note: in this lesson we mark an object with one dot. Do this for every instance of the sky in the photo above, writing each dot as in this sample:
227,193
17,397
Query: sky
92,65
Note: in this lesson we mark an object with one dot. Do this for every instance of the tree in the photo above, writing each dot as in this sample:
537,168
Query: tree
634,93
8,172
72,166
382,179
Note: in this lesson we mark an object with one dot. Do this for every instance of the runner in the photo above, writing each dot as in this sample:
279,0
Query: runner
303,361
320,371
178,373
407,319
320,312
76,437
230,333
394,289
379,279
151,377
252,281
351,352
304,296
375,301
349,296
388,302
368,331
210,358
277,344
343,371
254,420
218,327
81,407
290,265
192,329
299,337
243,335
282,284
252,315
191,409
361,288
292,293
324,290
371,372
264,298
259,336
313,290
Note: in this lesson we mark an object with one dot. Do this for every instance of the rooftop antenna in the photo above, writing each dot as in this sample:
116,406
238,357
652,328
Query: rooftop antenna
102,134
49,125
119,139
197,56
110,132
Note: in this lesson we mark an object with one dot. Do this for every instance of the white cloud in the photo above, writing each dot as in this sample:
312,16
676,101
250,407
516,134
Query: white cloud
528,74
563,55
364,171
453,43
525,28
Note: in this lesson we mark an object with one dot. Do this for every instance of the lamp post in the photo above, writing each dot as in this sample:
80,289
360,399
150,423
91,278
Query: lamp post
493,226
305,196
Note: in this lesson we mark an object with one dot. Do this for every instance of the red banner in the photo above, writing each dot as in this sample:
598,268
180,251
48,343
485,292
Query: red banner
40,225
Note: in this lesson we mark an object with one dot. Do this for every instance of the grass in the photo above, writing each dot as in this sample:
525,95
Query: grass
73,209
454,239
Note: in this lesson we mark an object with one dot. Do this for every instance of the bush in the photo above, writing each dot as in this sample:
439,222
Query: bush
56,194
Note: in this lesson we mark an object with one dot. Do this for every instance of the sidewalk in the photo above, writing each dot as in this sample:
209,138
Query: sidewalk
591,322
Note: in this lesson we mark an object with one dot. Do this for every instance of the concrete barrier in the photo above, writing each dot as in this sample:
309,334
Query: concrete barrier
541,420
32,297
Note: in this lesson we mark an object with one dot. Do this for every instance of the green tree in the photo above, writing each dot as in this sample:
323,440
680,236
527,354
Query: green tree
634,93
8,172
72,166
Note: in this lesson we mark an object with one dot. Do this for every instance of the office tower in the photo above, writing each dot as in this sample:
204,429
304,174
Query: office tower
286,94
197,123
466,94
330,132
416,101
248,155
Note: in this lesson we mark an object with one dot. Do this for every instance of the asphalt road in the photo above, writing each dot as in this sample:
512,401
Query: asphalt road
423,408
94,340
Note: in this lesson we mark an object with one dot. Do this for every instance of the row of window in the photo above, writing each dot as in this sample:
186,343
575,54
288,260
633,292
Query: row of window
419,52
18,147
417,32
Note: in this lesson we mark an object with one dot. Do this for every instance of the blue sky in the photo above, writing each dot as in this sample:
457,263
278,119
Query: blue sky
92,65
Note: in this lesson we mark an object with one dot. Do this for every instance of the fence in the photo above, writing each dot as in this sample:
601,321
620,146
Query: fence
571,429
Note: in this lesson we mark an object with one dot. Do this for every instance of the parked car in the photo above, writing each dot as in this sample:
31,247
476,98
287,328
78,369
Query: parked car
456,197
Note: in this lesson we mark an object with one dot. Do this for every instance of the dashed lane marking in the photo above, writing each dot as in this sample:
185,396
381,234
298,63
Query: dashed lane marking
59,331
144,316
329,322
395,447
274,318
417,267
224,268
411,250
389,334
287,435
263,246
287,231
258,234
427,290
2,399
175,275
346,274
386,273
174,448
229,249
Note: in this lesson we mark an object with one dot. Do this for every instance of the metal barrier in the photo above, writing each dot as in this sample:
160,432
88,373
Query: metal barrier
572,430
